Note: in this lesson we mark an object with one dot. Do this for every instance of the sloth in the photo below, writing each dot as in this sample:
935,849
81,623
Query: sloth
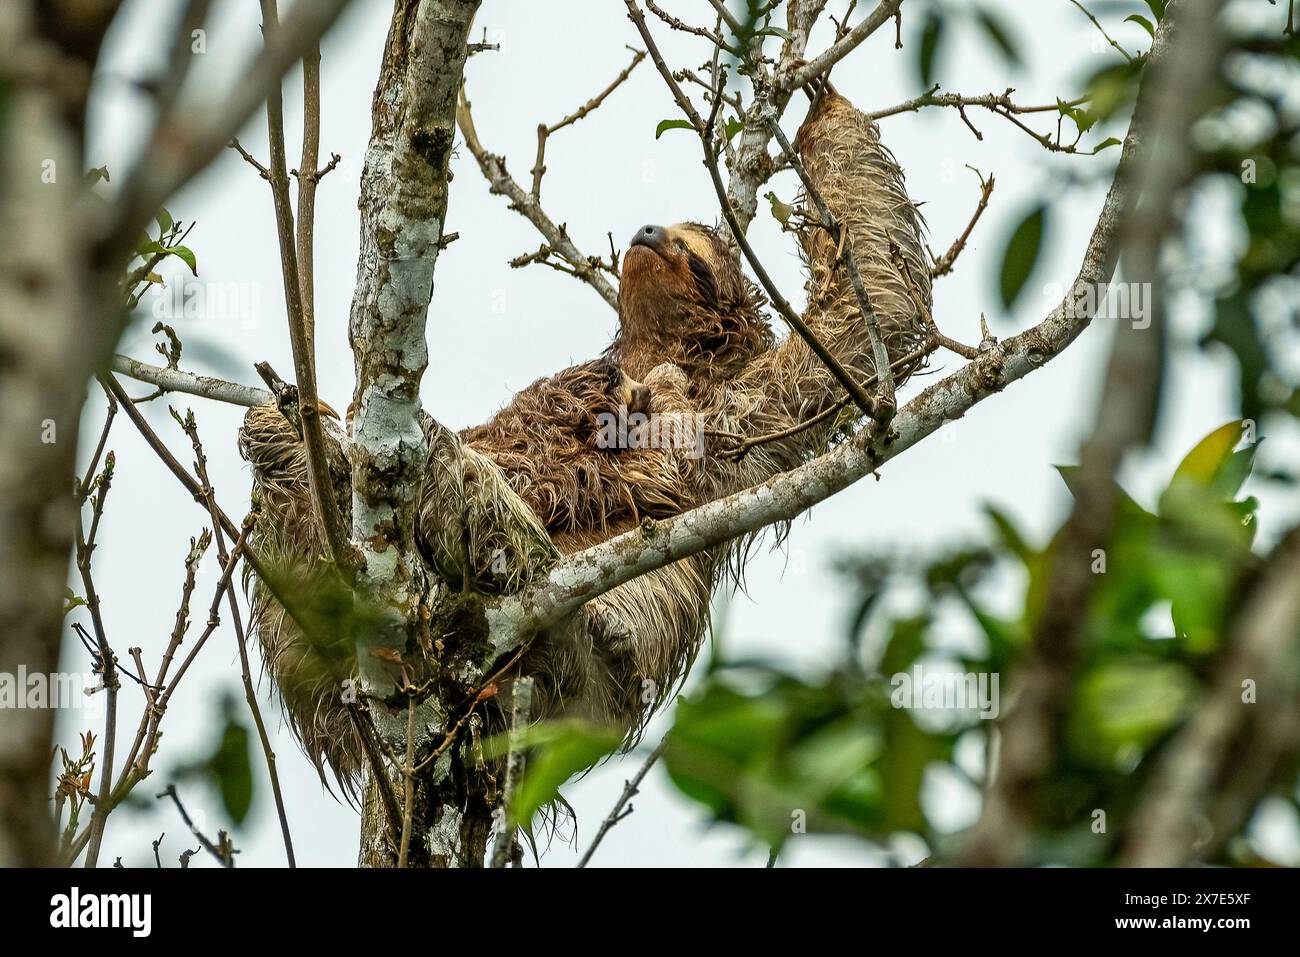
540,479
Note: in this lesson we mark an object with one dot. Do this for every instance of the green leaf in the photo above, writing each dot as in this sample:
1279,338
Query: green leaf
1000,34
560,749
1124,706
1107,144
164,219
186,256
71,600
666,125
232,770
775,32
93,176
1205,461
928,50
1143,22
1157,8
1010,535
1021,255
731,127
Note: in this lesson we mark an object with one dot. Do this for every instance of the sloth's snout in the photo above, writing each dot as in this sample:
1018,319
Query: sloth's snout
653,237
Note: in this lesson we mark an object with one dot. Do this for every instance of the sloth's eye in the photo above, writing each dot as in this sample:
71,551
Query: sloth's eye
681,244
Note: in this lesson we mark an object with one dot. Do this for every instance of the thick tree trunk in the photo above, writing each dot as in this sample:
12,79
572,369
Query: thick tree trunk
50,341
403,209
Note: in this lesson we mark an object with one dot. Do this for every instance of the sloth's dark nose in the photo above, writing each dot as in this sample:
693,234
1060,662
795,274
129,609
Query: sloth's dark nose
652,236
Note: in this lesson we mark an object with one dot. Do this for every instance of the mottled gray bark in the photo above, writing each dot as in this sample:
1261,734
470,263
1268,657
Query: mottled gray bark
403,209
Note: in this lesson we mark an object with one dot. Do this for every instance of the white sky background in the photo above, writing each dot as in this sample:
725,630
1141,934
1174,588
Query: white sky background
493,330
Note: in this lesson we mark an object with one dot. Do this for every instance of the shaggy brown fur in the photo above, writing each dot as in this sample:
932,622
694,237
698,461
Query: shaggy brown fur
506,497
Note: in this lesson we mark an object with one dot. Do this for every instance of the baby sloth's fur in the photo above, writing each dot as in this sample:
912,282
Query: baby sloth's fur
537,480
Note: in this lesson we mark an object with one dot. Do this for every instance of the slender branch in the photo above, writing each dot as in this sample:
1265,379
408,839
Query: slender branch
408,779
943,264
324,502
521,709
820,64
1109,39
999,104
308,179
989,101
617,813
227,560
249,158
224,857
678,24
544,131
191,383
85,546
500,183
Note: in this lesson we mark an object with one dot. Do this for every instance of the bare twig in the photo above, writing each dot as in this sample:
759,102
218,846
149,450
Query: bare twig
500,183
250,159
107,662
676,23
224,854
999,104
1109,39
618,812
297,306
521,709
820,64
943,264
227,561
544,131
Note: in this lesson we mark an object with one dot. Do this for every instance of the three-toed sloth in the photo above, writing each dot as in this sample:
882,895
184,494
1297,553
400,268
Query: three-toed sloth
693,346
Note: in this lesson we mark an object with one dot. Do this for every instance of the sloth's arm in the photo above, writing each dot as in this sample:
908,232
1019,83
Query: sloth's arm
862,184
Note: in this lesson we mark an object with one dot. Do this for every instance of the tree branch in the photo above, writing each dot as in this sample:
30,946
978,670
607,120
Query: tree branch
795,78
191,383
298,308
500,183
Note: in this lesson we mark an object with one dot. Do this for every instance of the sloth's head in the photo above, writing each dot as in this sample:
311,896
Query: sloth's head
683,299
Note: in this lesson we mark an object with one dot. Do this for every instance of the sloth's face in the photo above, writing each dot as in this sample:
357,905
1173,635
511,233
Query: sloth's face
683,298
688,264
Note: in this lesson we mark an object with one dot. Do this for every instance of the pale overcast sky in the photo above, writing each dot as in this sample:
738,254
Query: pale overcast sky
492,330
